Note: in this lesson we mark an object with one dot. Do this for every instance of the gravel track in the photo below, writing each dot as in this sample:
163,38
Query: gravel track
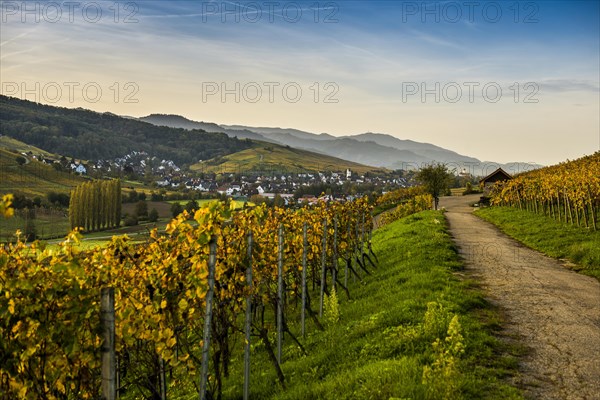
551,310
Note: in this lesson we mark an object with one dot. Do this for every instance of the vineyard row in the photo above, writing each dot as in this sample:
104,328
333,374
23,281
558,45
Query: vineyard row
568,192
175,305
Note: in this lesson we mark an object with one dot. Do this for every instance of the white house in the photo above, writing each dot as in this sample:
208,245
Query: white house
79,168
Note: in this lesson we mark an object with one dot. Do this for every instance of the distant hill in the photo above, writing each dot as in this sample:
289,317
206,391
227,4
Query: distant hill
177,121
375,149
85,134
267,132
424,149
266,158
89,135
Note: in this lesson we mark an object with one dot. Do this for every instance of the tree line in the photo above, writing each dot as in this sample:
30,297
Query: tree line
96,205
88,135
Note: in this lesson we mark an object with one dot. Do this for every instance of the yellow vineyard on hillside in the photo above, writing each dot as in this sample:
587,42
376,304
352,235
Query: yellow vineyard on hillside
50,300
568,192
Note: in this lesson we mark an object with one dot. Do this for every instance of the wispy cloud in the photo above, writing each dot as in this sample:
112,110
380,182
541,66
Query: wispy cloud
569,85
176,46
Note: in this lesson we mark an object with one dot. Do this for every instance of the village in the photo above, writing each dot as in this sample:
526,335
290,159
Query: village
300,186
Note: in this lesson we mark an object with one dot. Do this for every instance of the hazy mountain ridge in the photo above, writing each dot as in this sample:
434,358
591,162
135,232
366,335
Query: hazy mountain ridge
90,135
376,149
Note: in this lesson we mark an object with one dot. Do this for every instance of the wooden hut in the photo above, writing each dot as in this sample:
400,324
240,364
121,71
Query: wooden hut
486,183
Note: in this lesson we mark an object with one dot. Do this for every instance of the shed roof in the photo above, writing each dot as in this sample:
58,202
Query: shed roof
497,175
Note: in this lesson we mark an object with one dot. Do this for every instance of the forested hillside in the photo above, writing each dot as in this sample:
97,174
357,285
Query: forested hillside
90,135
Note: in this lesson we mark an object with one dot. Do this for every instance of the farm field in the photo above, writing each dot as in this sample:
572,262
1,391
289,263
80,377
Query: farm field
54,225
49,224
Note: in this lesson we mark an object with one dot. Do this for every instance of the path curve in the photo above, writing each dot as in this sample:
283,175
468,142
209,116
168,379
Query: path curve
555,312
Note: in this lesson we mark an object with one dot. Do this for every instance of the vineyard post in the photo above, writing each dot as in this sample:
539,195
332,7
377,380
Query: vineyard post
248,320
162,379
107,319
323,266
335,255
212,262
558,207
356,247
568,205
118,376
565,203
346,270
362,235
280,294
584,215
371,227
592,208
304,251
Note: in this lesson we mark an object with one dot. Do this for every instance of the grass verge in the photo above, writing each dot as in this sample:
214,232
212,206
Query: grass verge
555,239
411,330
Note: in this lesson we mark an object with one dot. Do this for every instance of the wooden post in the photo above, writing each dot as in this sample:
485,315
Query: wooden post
371,227
248,320
304,254
346,270
107,322
592,211
212,262
118,378
162,379
356,246
323,266
280,294
335,255
362,234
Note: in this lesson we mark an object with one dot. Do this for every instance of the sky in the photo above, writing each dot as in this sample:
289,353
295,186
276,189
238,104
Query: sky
499,81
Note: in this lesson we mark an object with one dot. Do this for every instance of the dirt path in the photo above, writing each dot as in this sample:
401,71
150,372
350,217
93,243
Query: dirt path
553,311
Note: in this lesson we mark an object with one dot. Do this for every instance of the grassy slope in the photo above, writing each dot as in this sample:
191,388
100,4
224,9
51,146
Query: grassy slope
34,178
266,157
370,353
542,233
11,144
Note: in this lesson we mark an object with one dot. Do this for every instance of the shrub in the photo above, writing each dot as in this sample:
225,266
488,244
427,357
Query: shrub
130,220
153,215
468,188
176,209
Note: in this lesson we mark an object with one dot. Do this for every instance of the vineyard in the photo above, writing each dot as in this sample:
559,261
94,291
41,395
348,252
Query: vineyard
568,192
141,318
406,201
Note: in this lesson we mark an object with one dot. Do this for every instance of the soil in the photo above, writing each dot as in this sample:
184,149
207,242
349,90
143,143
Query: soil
553,311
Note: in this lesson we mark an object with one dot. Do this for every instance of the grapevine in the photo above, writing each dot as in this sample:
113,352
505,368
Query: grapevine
568,192
49,297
